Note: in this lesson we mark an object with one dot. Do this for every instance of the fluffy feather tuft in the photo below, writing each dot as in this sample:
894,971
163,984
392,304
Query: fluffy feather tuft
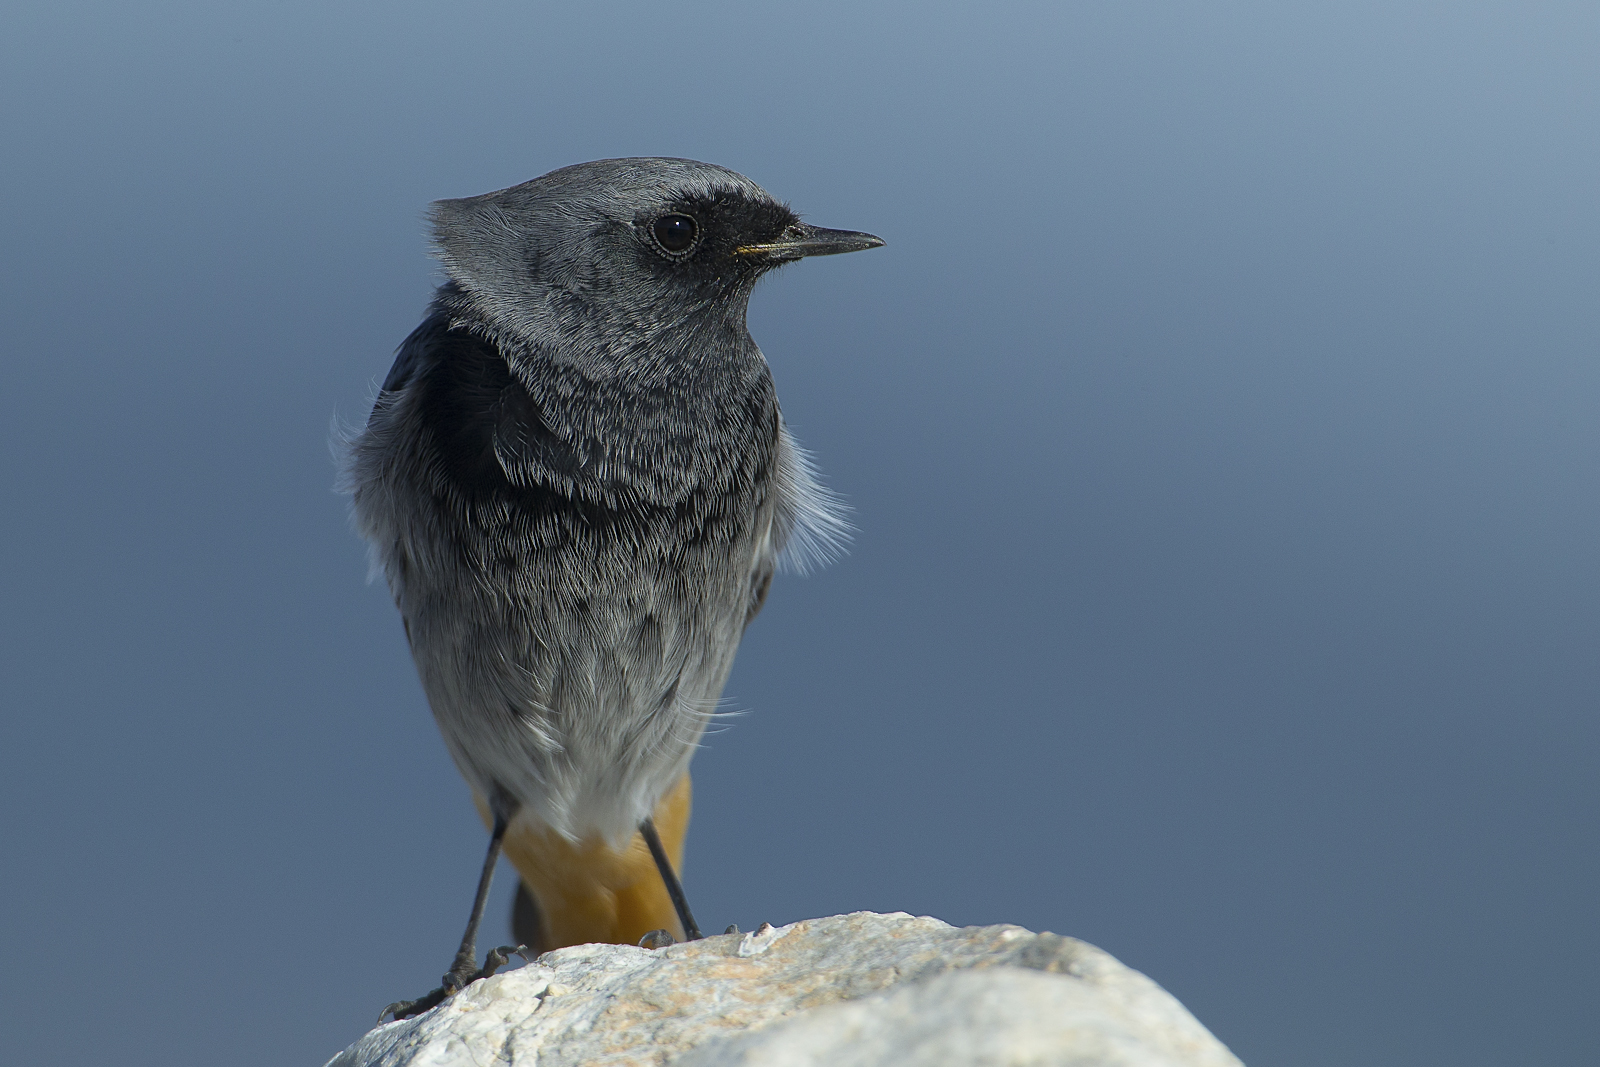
811,528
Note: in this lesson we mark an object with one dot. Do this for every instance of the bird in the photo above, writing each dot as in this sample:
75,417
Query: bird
578,484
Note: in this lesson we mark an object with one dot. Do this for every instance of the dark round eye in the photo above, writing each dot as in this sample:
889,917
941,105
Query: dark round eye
675,233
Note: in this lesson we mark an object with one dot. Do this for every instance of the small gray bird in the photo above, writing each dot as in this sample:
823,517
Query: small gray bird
578,483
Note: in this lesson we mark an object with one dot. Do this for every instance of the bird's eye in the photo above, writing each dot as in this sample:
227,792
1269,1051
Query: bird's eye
675,233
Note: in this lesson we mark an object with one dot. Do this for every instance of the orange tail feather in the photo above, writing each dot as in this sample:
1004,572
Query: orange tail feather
587,891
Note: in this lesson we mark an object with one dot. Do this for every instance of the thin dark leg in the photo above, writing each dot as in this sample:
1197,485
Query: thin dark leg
670,877
461,972
465,969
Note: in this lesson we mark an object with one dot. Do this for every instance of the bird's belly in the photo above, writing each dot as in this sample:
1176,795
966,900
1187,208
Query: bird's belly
581,699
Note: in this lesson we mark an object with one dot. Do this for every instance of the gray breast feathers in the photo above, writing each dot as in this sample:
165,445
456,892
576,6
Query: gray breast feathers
573,645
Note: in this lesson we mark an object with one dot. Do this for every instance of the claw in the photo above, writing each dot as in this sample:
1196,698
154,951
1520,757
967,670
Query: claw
454,982
499,957
405,1009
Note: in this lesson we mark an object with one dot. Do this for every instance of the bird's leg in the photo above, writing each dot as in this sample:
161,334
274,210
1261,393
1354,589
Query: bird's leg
465,969
670,877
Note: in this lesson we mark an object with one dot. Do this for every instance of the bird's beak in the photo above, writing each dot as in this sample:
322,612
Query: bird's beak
801,240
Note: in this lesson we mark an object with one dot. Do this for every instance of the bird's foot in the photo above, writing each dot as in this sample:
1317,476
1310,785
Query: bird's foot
457,978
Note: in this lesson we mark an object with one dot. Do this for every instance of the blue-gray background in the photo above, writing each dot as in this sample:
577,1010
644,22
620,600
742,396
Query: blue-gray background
1220,423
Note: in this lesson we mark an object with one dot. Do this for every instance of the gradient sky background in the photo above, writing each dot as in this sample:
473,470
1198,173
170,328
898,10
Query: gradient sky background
1220,424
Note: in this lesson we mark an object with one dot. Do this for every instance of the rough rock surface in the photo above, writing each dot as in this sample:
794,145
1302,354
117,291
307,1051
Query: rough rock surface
849,991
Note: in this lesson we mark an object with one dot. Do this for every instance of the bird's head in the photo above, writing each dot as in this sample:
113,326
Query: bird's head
622,253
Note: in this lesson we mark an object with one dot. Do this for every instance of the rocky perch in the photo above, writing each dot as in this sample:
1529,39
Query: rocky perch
850,991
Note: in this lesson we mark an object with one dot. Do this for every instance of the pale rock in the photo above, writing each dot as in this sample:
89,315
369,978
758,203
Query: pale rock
858,990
